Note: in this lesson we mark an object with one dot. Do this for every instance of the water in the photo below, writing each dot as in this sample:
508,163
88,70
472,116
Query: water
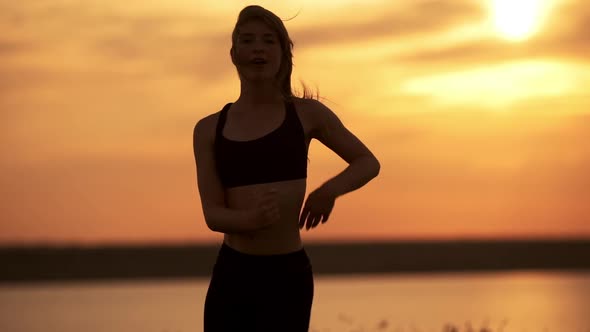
518,301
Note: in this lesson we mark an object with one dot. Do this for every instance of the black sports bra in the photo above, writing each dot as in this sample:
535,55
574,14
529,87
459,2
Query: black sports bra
280,155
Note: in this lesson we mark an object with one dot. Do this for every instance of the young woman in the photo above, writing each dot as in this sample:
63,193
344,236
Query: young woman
251,160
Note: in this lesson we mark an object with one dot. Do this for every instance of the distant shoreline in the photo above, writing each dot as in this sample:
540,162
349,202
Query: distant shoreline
33,264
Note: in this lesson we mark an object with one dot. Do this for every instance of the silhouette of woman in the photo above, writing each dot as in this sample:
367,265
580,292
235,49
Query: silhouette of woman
251,159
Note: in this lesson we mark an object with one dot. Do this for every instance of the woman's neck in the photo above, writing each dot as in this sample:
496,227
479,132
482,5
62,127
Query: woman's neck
259,94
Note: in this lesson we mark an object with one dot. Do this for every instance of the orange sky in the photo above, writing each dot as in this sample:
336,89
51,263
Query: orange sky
479,133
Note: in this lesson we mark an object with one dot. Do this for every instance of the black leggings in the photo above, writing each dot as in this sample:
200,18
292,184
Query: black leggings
259,292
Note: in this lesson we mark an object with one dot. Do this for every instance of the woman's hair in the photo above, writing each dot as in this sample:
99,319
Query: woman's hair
286,68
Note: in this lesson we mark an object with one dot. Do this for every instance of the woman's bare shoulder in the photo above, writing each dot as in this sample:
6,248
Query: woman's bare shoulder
314,110
311,105
306,102
311,108
205,127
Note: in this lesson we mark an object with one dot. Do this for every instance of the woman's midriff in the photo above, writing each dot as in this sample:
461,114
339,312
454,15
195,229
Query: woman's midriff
279,238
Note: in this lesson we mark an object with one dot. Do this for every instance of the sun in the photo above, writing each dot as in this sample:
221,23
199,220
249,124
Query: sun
517,20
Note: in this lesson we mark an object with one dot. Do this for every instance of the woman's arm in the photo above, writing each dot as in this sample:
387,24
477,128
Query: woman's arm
362,164
218,216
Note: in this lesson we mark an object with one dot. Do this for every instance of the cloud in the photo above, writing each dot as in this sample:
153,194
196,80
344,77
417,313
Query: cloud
15,47
17,81
566,39
171,45
415,18
535,153
102,38
194,45
192,55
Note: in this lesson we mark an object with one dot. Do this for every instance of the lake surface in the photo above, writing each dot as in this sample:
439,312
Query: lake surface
508,301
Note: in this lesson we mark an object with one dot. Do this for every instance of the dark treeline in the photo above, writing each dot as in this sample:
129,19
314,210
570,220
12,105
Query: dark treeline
28,264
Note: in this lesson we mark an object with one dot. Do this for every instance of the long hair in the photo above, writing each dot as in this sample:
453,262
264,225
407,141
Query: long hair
283,78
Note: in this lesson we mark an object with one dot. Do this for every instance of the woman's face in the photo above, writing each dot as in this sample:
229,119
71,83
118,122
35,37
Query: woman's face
257,51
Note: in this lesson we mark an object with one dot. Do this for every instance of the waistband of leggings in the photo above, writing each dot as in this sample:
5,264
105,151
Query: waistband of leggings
292,259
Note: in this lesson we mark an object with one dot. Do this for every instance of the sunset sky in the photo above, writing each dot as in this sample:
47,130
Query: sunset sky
479,112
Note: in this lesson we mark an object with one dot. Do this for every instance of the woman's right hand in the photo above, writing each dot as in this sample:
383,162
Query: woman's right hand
267,204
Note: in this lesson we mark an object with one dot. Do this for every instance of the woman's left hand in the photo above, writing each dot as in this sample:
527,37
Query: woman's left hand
317,208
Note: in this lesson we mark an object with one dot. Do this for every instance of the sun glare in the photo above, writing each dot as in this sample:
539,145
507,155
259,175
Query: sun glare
517,20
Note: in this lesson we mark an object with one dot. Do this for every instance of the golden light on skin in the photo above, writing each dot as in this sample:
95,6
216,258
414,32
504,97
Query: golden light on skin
517,20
